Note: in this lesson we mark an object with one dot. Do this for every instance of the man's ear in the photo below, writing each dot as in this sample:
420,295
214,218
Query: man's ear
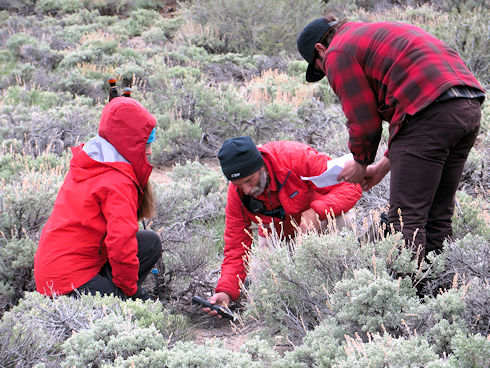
320,48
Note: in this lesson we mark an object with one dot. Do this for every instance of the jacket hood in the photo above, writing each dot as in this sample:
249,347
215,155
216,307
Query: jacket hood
126,124
83,167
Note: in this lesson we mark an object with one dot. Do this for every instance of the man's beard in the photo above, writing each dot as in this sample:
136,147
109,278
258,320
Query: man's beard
256,191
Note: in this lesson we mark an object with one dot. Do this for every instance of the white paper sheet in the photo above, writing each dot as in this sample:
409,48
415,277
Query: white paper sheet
329,177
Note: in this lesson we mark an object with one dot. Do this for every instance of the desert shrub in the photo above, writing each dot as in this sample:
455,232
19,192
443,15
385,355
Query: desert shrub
19,6
137,21
78,83
57,7
16,41
476,313
283,292
190,355
110,7
39,54
469,351
322,127
67,314
449,5
200,118
16,95
321,347
190,223
466,266
383,351
470,216
73,326
26,204
109,337
260,350
266,27
130,73
366,287
211,354
476,174
444,322
96,51
16,265
372,301
53,130
25,345
15,165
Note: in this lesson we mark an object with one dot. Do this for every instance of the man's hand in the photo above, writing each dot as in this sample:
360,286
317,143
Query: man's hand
222,299
353,172
309,221
375,173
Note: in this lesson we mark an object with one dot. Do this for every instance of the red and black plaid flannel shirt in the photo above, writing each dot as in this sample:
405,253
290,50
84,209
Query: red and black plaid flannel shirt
383,71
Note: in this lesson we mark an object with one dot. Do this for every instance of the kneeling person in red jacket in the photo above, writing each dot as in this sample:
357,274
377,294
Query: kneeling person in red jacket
91,241
265,183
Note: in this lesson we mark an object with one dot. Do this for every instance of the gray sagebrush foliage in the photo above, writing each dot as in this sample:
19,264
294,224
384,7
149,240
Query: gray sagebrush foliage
321,347
290,282
190,223
373,301
109,338
266,27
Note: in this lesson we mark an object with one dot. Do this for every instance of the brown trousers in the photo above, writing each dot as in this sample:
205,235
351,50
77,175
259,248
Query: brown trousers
427,158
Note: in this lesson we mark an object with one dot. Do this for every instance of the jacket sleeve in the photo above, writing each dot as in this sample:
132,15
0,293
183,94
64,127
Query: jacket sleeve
237,246
358,101
340,198
337,198
119,206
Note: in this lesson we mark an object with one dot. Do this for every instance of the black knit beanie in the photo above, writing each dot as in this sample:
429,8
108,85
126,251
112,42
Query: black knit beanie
239,158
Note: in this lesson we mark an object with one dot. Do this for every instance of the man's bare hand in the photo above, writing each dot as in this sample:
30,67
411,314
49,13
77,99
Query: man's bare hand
353,172
221,299
375,173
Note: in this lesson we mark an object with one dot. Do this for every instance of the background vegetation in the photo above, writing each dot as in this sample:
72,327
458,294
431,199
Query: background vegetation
209,70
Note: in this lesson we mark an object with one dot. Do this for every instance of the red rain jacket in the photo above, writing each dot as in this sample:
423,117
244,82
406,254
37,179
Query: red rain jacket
94,218
286,162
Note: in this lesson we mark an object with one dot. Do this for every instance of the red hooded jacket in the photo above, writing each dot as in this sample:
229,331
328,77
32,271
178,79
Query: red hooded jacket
286,162
94,218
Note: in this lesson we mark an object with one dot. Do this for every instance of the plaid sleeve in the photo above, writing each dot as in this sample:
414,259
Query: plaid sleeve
358,101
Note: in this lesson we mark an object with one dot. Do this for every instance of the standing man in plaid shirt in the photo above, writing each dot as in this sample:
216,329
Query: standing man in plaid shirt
401,74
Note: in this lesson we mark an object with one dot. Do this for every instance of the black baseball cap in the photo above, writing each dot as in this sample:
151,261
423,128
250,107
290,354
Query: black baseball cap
239,158
306,42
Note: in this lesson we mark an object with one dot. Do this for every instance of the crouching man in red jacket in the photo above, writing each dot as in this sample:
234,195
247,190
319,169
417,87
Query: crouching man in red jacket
91,241
265,183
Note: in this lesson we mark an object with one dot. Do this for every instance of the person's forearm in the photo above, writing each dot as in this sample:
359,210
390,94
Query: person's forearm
384,166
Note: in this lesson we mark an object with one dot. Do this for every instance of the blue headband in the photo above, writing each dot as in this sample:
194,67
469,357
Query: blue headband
151,138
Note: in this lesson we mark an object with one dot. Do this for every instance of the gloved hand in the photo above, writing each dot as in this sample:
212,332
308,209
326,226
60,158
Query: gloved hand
141,293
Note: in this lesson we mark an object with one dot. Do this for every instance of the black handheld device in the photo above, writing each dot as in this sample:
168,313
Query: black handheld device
222,311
